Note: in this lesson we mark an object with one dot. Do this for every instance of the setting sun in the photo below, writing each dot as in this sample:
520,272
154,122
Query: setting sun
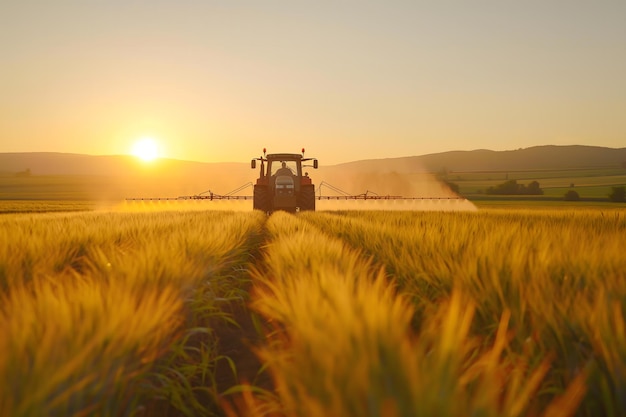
146,149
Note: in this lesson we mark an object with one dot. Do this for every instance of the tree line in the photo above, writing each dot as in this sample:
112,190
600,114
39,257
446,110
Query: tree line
512,187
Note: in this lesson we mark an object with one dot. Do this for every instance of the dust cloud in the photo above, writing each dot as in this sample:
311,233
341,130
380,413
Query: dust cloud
422,190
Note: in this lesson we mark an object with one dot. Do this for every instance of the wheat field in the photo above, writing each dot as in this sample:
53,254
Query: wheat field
356,313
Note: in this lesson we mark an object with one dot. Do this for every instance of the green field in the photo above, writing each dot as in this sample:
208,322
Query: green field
85,192
165,311
589,183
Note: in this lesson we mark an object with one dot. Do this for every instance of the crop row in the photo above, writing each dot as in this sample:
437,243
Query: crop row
484,313
489,313
109,313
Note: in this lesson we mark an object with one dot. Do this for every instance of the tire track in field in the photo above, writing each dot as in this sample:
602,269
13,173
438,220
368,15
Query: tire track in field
334,323
238,336
224,329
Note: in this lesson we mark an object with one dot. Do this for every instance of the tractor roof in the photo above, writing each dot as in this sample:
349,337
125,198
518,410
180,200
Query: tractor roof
284,156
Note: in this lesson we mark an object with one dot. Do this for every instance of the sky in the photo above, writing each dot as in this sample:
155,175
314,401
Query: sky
217,81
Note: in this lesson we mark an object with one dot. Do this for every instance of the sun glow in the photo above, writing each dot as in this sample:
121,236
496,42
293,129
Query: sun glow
146,149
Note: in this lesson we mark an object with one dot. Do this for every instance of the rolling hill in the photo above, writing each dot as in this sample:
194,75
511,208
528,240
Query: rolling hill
119,176
547,157
534,158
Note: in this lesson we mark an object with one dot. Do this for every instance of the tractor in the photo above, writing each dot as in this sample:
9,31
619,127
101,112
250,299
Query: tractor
282,185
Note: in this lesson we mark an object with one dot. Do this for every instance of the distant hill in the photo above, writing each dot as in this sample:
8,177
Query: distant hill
548,157
52,163
534,158
119,176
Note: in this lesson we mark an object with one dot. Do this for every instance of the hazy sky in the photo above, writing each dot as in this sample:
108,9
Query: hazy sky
220,80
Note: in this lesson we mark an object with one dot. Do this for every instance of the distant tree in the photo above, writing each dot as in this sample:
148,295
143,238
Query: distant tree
508,187
618,195
511,187
571,195
533,189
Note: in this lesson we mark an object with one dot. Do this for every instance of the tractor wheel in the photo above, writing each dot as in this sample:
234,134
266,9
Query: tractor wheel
261,199
307,198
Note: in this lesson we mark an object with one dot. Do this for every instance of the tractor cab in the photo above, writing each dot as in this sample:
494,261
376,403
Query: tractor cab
289,168
281,184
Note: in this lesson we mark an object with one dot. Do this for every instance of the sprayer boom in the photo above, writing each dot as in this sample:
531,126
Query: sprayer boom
283,185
